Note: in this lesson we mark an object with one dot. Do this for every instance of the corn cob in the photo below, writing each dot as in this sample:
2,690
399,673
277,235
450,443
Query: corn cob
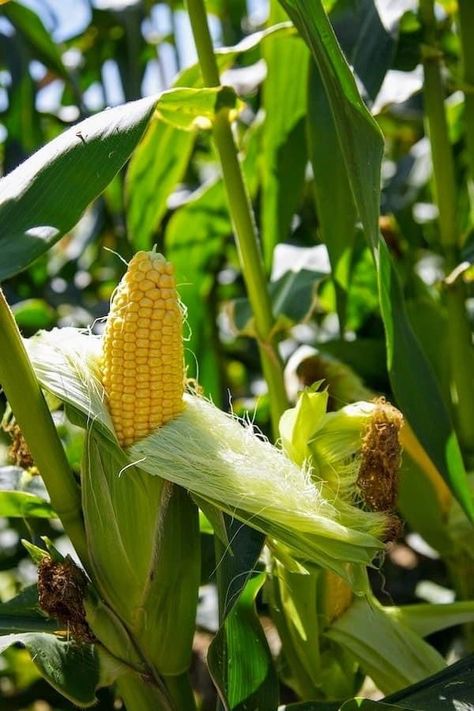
142,358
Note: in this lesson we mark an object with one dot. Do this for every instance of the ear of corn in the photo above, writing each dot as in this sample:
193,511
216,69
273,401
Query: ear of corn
192,443
142,365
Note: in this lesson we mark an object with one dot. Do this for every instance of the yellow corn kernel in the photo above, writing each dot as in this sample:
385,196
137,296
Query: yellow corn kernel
142,362
338,596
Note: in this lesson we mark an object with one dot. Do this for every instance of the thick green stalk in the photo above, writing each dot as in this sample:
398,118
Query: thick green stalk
32,414
180,690
243,220
140,695
459,335
466,31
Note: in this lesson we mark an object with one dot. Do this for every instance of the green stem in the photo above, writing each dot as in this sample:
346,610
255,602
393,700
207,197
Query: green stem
243,220
140,695
32,414
181,692
459,340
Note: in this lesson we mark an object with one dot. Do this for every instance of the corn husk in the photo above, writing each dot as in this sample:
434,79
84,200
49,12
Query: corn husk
142,534
222,460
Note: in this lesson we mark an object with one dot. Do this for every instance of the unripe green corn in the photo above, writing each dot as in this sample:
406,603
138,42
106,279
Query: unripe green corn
142,361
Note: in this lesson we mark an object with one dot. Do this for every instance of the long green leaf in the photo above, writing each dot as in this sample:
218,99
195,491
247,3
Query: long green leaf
361,145
44,197
195,241
194,238
360,138
252,683
452,688
22,504
337,227
283,156
388,651
425,619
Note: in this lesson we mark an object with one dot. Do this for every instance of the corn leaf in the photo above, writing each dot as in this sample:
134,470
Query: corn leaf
337,227
451,688
150,181
425,619
71,669
368,705
361,145
253,682
283,157
22,504
188,109
388,651
293,297
44,197
195,239
22,614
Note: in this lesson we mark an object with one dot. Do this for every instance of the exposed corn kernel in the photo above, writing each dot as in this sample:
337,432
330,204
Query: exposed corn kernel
142,362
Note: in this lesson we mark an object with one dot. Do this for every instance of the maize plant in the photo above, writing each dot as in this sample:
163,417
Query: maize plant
149,447
199,453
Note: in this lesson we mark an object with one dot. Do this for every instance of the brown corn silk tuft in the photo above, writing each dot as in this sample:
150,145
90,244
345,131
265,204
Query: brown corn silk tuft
18,451
381,458
61,590
142,362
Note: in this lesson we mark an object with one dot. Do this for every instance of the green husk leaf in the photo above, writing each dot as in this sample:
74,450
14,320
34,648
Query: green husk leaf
143,535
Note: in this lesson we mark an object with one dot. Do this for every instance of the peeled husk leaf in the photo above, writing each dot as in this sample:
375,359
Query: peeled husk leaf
222,460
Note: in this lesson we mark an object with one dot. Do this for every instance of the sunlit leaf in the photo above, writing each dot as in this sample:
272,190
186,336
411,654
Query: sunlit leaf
44,197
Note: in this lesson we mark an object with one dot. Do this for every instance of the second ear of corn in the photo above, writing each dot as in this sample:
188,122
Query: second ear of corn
142,363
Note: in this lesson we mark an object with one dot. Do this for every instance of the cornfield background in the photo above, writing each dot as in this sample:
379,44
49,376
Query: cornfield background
344,265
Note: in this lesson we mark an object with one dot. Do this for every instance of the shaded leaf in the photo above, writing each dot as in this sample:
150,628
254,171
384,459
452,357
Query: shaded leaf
450,688
292,297
337,227
283,156
72,669
22,614
22,504
360,139
252,683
